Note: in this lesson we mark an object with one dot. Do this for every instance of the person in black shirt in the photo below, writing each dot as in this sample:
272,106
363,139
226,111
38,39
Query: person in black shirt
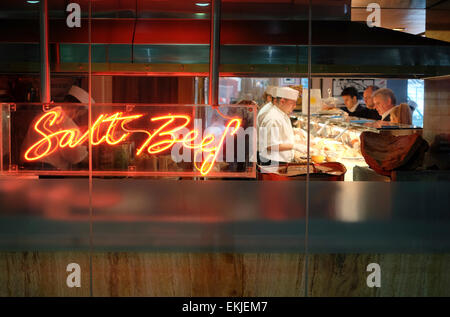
354,108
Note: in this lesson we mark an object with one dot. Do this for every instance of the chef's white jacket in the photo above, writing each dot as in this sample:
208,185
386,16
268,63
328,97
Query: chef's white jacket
263,112
276,129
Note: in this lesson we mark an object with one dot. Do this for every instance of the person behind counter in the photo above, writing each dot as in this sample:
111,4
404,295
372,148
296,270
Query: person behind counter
271,100
384,100
368,100
353,106
368,96
276,144
268,95
65,158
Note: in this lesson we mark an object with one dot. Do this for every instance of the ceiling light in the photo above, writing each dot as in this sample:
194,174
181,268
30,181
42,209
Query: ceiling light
32,2
202,4
399,29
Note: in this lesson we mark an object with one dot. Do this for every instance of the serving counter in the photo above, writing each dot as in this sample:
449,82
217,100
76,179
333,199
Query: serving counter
336,137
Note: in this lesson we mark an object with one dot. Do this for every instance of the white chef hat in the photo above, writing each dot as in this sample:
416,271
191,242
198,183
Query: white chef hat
287,93
81,94
271,90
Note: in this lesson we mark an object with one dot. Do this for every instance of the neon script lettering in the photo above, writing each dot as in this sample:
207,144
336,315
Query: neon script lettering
112,129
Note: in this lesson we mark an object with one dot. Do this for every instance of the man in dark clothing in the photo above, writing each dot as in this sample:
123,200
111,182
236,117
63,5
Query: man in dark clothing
354,108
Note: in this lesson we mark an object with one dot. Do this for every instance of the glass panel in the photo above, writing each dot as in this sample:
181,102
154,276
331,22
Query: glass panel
155,83
171,54
79,53
44,216
141,214
286,207
200,141
379,87
39,139
126,145
44,237
44,219
211,239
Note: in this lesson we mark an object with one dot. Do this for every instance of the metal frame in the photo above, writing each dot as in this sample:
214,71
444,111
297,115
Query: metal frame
214,53
44,66
227,70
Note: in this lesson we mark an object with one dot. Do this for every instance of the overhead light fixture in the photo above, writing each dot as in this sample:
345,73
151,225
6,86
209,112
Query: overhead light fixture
399,29
202,4
32,2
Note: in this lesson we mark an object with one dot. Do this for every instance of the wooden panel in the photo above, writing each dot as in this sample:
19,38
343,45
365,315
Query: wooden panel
274,275
439,35
186,90
437,108
438,4
162,90
438,19
413,20
181,274
139,274
401,275
397,4
41,274
339,275
436,120
224,274
102,88
415,275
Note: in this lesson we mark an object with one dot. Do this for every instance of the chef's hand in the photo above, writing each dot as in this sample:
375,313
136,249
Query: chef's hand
300,148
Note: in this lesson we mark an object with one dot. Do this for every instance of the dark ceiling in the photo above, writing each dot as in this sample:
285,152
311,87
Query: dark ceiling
266,32
187,9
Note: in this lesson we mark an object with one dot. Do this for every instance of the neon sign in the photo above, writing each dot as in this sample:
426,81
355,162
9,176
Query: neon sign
54,138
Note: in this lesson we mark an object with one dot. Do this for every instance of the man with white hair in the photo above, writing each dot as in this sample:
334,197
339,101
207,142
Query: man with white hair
384,101
276,137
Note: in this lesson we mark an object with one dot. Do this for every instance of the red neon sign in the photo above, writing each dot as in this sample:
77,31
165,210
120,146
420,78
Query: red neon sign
53,138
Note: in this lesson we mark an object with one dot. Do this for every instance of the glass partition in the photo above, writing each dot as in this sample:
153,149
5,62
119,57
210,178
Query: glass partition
44,213
130,140
383,224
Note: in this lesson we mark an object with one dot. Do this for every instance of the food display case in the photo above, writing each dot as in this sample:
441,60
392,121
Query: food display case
335,137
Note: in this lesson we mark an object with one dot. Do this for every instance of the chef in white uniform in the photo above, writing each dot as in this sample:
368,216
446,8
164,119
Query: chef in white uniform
63,158
268,96
276,137
271,91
